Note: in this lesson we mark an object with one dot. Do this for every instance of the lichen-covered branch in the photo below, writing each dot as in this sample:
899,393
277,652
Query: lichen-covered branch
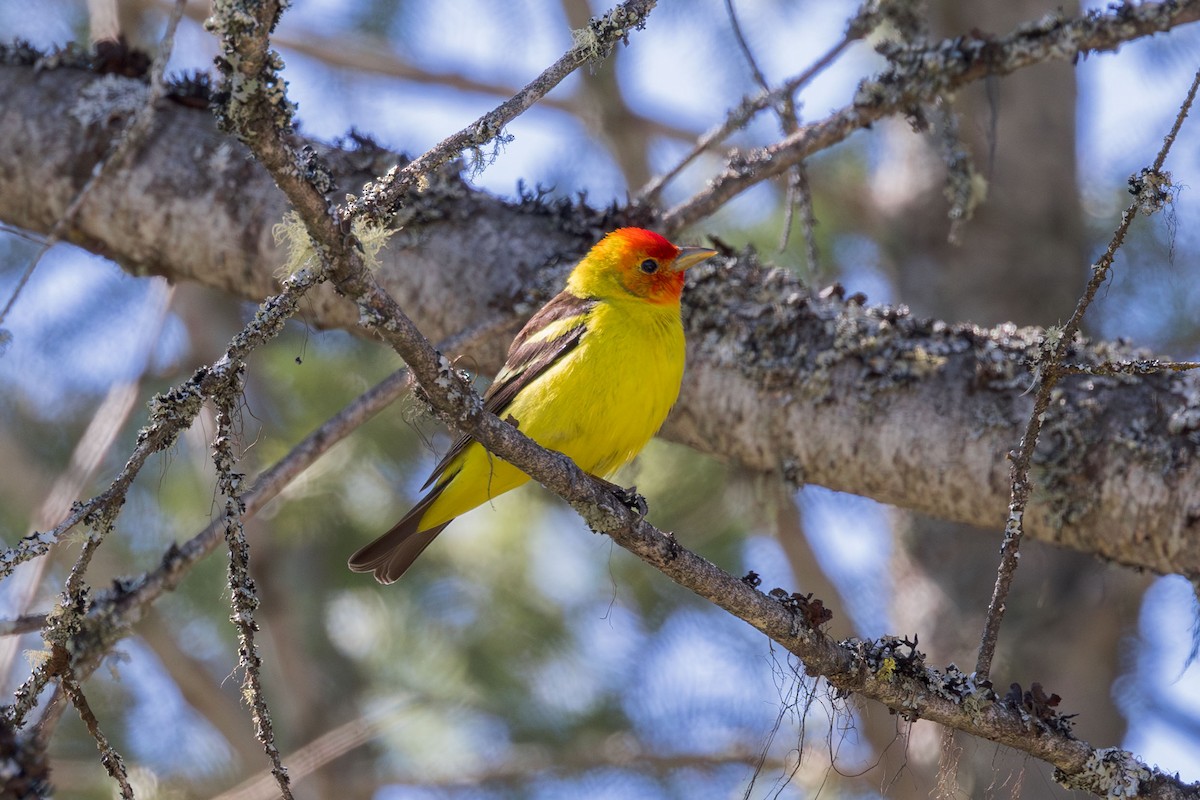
243,595
1117,466
1151,195
381,199
919,74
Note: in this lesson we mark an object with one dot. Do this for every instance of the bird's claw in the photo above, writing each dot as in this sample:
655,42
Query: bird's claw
631,500
673,546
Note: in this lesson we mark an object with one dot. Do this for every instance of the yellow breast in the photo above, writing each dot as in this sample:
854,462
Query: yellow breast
599,405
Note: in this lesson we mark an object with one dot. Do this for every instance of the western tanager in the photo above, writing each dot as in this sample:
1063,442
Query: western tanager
591,375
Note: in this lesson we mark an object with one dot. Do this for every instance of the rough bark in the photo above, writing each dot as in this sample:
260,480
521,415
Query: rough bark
867,400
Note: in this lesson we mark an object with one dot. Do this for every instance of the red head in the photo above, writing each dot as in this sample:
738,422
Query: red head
636,262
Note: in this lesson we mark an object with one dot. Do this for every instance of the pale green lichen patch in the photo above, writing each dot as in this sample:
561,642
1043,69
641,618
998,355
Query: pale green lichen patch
594,42
302,252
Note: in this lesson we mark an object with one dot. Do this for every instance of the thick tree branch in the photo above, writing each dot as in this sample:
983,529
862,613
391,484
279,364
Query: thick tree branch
865,386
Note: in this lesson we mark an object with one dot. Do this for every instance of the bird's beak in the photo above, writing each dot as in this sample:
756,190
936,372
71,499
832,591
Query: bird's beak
690,257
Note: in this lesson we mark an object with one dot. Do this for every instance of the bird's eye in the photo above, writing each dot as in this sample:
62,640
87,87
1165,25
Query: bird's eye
649,266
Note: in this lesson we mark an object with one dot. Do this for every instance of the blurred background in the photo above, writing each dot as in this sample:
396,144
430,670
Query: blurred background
523,656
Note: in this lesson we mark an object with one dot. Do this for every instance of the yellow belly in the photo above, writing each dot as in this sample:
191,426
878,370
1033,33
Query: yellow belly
598,405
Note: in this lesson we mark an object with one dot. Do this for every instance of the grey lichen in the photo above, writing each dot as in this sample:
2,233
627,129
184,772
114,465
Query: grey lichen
1153,189
1070,431
107,99
782,336
174,409
245,95
1111,773
601,518
1186,418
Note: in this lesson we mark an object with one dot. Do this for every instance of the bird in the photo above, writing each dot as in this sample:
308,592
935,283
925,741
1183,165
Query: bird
591,375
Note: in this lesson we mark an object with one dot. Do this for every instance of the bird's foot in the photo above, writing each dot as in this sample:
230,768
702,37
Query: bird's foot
632,500
627,497
673,546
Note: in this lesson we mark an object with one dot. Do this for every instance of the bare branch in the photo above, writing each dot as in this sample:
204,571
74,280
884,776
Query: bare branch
651,193
325,748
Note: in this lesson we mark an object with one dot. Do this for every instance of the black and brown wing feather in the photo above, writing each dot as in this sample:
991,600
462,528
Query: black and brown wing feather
528,357
394,552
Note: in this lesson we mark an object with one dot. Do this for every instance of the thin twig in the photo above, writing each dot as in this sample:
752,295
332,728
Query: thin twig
797,183
243,598
325,748
381,199
1149,197
738,117
109,757
800,196
759,77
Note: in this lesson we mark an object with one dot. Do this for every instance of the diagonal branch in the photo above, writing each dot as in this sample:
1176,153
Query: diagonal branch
875,670
1150,195
383,198
109,757
919,75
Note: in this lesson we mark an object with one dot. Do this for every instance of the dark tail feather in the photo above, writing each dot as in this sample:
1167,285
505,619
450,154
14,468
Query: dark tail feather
394,552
